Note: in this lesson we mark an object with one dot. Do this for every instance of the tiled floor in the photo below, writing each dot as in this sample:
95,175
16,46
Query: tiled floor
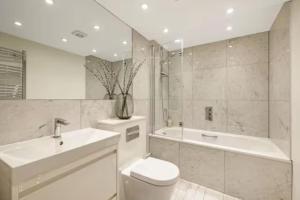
190,191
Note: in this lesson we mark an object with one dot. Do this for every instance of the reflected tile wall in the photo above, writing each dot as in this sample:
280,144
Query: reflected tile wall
231,76
280,70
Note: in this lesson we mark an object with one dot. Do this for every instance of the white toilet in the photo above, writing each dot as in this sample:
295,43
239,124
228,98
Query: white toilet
150,179
138,178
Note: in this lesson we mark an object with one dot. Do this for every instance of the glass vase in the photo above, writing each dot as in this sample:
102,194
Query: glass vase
124,106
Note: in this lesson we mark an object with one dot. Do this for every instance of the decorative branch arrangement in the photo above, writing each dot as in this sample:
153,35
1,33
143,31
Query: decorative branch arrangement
130,71
106,74
124,103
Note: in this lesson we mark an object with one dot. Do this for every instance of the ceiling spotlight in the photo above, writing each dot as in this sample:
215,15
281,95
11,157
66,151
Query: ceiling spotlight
230,11
94,50
64,40
50,2
17,23
96,27
124,42
229,28
115,55
144,6
166,30
230,46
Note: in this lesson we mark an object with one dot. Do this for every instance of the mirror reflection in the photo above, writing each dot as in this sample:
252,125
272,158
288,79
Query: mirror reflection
61,50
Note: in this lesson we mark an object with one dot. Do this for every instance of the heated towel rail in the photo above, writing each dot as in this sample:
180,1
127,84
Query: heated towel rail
12,74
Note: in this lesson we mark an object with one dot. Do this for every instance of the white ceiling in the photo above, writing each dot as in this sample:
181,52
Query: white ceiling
48,24
195,21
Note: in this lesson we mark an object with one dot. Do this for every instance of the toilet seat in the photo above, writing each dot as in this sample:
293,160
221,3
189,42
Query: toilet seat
156,172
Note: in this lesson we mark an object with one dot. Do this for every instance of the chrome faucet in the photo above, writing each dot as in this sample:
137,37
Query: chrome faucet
57,126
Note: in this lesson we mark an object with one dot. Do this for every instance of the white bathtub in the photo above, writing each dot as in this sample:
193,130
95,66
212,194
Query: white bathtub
255,146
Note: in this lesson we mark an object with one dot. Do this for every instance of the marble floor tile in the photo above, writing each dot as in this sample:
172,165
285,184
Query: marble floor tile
213,195
186,190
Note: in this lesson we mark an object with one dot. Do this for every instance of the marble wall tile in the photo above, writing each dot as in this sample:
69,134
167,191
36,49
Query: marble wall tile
175,62
142,108
251,178
141,51
211,55
248,82
94,110
280,132
176,117
280,76
280,33
187,60
165,149
175,85
209,84
23,120
160,111
202,165
187,88
219,122
248,118
187,116
248,49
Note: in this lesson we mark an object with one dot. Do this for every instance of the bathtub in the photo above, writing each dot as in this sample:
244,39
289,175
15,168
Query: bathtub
254,146
250,168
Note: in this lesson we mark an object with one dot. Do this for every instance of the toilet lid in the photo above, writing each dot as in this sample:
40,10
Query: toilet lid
156,172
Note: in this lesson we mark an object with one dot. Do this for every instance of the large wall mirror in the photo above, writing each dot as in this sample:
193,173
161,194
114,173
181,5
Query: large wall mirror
61,50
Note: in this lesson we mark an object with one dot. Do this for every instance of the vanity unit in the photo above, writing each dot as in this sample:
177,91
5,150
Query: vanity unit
80,165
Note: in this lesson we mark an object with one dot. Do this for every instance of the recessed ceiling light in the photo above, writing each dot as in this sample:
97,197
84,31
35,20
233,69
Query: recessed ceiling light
230,11
124,42
50,2
144,6
17,23
166,30
230,46
115,55
94,50
96,27
229,28
64,40
177,41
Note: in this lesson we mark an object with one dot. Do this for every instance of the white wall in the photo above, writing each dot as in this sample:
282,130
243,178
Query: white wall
295,78
51,73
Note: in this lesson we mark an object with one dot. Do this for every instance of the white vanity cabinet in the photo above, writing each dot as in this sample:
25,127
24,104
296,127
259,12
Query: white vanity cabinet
86,173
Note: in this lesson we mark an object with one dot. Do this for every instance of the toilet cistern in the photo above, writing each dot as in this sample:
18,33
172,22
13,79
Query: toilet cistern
57,126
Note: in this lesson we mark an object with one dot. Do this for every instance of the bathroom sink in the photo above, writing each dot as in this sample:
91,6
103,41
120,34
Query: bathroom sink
29,158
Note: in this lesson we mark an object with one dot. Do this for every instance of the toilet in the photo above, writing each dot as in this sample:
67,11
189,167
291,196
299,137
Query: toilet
150,179
139,178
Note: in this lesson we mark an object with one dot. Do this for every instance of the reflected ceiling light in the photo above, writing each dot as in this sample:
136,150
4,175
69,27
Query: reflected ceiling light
115,55
124,42
64,40
96,27
50,2
17,23
166,30
230,11
229,28
177,41
144,6
94,50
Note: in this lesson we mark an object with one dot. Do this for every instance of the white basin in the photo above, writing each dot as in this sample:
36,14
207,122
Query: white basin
29,158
